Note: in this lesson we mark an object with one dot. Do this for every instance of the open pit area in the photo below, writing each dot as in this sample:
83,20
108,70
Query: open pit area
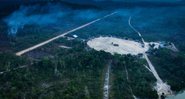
116,45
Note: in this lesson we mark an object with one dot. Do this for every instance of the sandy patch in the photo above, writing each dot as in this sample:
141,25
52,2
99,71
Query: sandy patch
63,46
116,45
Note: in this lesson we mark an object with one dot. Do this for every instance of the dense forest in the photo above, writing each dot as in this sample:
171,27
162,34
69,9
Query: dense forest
69,74
170,66
78,71
74,73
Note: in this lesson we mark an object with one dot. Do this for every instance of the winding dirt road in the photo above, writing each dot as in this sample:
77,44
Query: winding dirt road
161,87
129,84
23,66
62,35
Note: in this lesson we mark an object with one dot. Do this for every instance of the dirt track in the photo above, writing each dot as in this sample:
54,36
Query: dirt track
62,35
161,87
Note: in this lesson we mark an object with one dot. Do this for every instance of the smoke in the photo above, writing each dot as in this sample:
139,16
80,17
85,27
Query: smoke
33,15
87,14
47,15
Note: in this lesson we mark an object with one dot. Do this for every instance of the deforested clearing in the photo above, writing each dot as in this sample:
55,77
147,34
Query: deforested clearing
116,45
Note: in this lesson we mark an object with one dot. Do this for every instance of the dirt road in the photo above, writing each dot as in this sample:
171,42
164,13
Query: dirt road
59,36
106,82
161,87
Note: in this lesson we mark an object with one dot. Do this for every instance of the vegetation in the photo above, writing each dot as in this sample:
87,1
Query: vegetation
70,75
52,72
171,67
139,81
75,73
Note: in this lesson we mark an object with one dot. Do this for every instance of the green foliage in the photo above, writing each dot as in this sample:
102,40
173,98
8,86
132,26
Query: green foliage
171,67
9,61
65,76
139,80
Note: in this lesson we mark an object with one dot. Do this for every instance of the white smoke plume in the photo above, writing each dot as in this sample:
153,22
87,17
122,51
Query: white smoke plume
33,15
46,15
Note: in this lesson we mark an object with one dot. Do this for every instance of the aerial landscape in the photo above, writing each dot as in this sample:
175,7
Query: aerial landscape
92,49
